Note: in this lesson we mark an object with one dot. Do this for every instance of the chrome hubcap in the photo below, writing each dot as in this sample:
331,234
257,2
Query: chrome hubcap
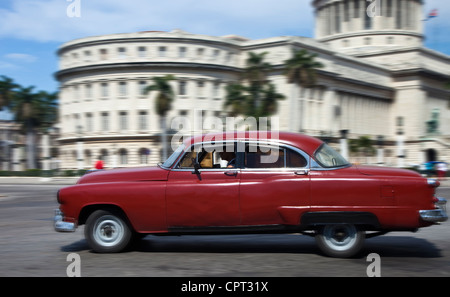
340,237
108,231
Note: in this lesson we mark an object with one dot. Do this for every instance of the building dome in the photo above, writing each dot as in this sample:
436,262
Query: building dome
361,25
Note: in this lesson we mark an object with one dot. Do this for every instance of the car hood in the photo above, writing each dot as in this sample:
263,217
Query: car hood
123,175
386,171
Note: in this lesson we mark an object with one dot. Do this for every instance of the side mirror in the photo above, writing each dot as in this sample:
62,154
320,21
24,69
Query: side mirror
196,167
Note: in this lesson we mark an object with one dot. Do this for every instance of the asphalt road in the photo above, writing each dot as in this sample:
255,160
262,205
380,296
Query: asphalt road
30,247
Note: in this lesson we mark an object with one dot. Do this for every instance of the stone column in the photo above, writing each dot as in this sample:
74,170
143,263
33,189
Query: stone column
344,144
16,158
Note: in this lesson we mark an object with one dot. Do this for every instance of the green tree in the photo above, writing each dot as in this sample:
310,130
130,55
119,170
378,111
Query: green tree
270,100
236,99
34,111
255,74
240,100
363,145
47,109
7,87
254,96
301,68
301,71
163,103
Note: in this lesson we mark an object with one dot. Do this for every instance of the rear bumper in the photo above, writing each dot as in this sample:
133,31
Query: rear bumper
62,226
435,215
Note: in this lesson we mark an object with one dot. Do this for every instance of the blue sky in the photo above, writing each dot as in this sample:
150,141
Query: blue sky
32,30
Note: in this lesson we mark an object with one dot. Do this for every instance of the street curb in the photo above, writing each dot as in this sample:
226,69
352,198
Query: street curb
22,180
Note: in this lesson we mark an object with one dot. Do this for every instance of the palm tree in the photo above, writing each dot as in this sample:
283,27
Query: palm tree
25,108
301,68
256,75
163,103
258,98
256,70
7,87
47,109
270,99
33,111
236,99
301,71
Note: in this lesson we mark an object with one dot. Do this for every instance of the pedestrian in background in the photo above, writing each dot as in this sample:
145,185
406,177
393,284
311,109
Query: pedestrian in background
441,169
99,164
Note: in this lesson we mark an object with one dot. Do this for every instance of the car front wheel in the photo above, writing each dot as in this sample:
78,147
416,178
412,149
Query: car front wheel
107,232
340,240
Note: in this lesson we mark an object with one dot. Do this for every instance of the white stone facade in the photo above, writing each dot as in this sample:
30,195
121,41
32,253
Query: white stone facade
392,84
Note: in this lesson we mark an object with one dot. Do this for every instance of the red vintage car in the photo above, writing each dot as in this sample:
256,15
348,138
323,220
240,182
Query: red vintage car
250,182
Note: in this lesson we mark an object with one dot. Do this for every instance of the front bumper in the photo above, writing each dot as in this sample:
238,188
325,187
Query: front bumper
60,225
435,215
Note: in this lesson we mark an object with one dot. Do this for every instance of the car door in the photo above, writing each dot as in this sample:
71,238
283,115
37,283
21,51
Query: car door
207,196
269,186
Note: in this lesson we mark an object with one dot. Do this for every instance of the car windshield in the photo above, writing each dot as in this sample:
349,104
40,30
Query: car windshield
169,162
327,157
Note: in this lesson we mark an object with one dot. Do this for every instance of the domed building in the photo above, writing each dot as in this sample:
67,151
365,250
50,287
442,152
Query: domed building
378,81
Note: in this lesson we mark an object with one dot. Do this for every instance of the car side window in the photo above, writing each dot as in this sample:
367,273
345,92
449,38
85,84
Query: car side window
257,156
210,156
295,160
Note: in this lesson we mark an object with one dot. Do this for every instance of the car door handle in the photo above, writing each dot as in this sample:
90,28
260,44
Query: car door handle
302,172
231,172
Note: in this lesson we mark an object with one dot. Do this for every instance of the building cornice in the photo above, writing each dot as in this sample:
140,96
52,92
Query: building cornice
339,78
370,33
143,65
421,72
148,37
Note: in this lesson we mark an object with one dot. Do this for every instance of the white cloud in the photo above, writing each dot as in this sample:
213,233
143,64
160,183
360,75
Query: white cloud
19,57
6,65
47,20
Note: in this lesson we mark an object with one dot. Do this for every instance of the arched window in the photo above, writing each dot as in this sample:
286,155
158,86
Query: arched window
104,156
123,157
88,158
144,153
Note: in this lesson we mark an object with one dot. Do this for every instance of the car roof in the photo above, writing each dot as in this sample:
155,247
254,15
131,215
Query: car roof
306,143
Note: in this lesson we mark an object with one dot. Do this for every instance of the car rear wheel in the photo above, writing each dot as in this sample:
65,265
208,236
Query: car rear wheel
340,240
107,232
